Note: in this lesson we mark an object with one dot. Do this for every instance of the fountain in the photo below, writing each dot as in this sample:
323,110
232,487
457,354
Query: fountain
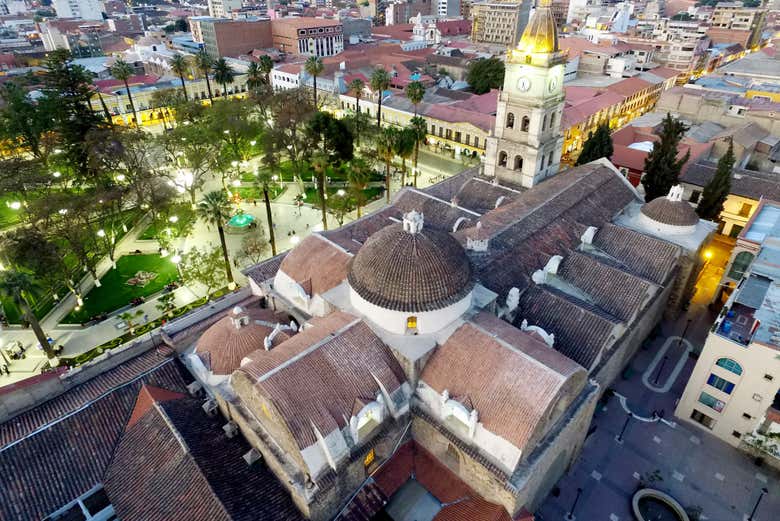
653,505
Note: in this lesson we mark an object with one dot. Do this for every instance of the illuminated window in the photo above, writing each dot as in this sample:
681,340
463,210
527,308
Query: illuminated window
729,365
411,323
370,457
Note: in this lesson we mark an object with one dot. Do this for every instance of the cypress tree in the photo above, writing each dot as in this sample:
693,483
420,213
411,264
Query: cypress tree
598,145
662,168
718,188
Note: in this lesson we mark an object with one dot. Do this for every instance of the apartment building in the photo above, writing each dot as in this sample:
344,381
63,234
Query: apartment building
731,22
83,9
223,8
499,22
231,38
733,390
308,36
401,11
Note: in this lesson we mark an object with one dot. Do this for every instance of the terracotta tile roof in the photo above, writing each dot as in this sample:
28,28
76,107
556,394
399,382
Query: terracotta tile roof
175,463
265,270
648,257
583,107
630,158
412,461
582,331
454,114
439,214
316,262
305,22
745,183
481,196
319,387
223,345
629,87
60,451
616,291
675,213
404,271
546,220
147,397
511,391
353,235
450,187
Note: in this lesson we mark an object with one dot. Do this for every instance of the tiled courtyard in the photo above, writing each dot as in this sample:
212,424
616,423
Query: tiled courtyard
695,468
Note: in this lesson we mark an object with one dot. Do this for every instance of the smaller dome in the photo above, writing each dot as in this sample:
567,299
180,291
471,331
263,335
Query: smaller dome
672,212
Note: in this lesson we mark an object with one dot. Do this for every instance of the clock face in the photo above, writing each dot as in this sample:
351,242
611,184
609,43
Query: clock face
553,84
523,84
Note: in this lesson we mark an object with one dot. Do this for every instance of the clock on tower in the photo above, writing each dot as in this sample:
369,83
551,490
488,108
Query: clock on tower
525,146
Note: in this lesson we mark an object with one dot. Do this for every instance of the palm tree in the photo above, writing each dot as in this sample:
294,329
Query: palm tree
203,63
314,68
264,177
181,67
380,82
358,176
266,66
419,128
254,77
415,92
385,149
215,209
320,165
223,74
166,303
16,285
129,318
356,86
404,146
122,71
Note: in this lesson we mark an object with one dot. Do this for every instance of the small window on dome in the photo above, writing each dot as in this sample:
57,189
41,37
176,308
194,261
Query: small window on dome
411,325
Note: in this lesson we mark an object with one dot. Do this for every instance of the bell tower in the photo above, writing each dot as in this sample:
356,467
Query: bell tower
525,146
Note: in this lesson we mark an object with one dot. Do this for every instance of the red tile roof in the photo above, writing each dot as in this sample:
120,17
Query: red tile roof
316,264
630,158
112,84
147,397
629,86
582,107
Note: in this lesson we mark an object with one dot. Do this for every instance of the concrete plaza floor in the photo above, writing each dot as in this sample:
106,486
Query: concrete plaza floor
695,468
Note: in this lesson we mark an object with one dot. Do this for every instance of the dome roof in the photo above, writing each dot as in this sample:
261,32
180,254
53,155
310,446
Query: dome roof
223,345
671,212
404,267
540,34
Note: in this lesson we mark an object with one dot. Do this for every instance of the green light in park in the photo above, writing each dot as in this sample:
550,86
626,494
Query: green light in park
241,220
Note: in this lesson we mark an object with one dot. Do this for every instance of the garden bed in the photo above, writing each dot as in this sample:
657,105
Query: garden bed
115,291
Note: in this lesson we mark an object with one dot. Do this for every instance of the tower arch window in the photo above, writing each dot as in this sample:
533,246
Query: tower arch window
510,120
544,122
552,121
550,159
411,325
524,123
518,162
541,167
730,365
502,159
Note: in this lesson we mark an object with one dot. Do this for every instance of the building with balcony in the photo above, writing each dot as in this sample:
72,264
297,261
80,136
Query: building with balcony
308,36
733,389
499,22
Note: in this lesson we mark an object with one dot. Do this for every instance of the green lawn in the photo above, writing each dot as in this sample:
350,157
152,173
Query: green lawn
40,307
116,293
313,197
8,217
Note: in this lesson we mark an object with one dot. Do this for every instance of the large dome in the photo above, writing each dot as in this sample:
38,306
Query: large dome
671,212
404,267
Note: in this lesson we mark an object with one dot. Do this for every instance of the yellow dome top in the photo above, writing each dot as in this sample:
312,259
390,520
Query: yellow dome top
540,35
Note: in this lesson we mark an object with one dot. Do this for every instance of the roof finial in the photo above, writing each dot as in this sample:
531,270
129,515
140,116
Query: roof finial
675,193
413,222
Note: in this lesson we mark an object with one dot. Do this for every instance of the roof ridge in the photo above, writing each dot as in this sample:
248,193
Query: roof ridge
429,196
309,350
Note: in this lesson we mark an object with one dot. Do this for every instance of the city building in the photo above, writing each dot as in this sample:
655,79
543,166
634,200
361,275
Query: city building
308,36
401,11
223,38
223,8
732,22
447,8
526,144
499,22
83,9
733,391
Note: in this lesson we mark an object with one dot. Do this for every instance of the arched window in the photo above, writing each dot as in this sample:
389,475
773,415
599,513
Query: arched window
740,265
510,120
541,167
518,162
729,365
502,159
525,123
552,120
411,324
544,121
550,159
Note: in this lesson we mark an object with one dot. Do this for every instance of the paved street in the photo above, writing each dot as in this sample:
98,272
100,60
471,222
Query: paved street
695,468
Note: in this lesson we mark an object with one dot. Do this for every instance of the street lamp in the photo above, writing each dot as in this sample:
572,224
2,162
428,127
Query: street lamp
101,233
173,218
758,501
253,142
15,205
570,515
619,437
176,259
341,192
57,174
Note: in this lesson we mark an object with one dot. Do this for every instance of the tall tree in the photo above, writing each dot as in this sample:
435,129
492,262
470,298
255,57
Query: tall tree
291,111
380,82
419,129
17,285
314,68
386,151
320,165
662,168
485,74
223,74
403,146
719,187
255,79
356,86
415,91
264,178
215,210
358,176
202,266
122,71
181,67
204,62
332,135
598,145
26,123
266,65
